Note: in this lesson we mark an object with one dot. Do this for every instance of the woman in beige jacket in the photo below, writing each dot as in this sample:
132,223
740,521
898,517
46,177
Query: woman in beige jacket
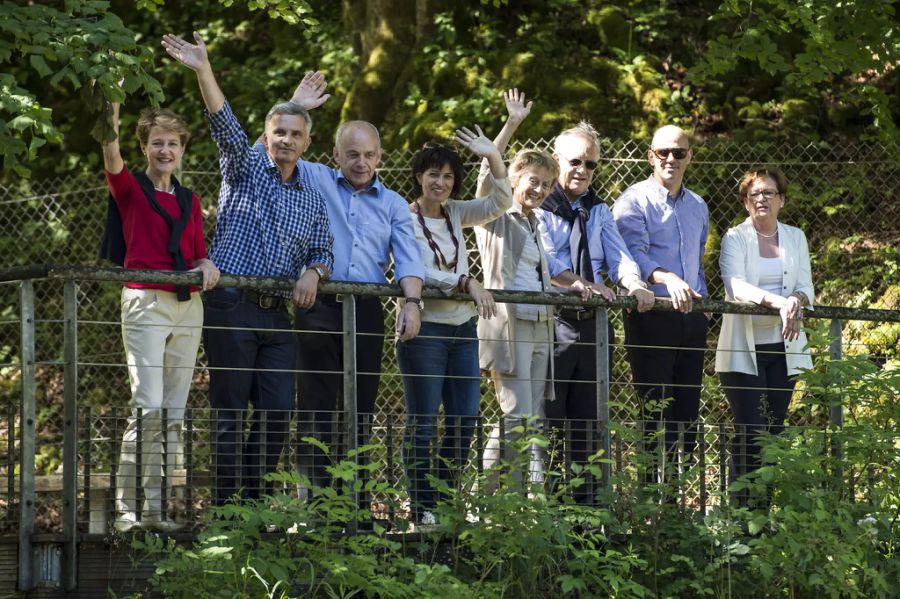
515,345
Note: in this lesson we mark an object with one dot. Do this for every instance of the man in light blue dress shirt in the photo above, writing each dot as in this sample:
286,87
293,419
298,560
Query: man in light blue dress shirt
665,226
370,224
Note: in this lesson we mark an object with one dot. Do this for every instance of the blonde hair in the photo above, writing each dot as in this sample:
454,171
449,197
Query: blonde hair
164,119
526,159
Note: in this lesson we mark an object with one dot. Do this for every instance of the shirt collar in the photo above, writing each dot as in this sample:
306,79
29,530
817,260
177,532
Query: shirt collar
516,210
662,193
273,168
376,187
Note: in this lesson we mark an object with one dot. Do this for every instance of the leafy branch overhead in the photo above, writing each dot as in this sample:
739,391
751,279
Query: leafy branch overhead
818,46
750,70
83,48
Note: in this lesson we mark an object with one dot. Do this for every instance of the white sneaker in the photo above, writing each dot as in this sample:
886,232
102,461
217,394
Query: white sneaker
159,524
125,522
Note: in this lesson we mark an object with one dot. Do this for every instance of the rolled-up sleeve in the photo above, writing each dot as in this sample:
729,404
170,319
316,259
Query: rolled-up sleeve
632,224
405,248
608,250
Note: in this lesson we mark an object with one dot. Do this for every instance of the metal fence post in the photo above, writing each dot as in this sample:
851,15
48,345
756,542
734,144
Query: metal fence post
601,322
350,411
837,405
27,442
70,434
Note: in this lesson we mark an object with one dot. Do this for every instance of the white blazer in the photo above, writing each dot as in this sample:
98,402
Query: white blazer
739,264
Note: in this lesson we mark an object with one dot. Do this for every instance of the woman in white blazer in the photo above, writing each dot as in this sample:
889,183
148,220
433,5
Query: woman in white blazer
758,357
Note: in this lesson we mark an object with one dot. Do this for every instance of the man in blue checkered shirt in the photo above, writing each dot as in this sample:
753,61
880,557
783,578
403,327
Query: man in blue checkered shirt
272,222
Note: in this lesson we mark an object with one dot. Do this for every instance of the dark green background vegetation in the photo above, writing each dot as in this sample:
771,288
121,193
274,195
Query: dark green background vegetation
758,70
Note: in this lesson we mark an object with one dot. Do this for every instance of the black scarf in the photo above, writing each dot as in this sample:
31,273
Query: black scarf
113,247
558,203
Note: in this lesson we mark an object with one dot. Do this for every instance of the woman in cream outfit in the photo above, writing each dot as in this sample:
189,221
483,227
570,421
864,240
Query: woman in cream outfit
758,357
515,345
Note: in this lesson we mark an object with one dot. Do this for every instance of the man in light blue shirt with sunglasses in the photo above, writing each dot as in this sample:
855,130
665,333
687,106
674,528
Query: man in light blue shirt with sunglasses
665,226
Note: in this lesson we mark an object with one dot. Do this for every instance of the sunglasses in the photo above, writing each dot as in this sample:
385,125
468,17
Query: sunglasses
588,164
766,193
678,153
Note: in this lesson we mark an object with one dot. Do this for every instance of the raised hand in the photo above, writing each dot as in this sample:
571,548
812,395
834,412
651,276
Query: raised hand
311,91
476,142
193,56
516,106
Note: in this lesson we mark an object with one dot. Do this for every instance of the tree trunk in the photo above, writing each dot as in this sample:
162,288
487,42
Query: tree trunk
385,34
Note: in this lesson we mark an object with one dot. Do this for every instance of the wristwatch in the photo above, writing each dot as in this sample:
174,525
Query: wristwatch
323,274
414,300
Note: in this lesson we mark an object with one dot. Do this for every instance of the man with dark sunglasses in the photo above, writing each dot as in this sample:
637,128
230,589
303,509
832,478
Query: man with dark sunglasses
577,229
665,226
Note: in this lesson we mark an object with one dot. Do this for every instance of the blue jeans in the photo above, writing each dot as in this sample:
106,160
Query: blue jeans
252,353
441,364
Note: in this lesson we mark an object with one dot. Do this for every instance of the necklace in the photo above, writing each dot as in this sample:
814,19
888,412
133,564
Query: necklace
439,257
170,189
770,236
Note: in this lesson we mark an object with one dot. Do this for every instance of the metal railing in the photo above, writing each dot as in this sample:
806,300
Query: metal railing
85,456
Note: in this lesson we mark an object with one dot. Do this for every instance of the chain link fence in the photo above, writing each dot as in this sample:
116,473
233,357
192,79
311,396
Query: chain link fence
846,198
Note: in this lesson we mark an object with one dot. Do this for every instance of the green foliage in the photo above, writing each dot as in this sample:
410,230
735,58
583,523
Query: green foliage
758,71
829,527
82,47
815,47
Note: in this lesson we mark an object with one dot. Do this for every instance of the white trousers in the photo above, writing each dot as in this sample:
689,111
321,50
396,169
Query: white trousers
521,395
161,337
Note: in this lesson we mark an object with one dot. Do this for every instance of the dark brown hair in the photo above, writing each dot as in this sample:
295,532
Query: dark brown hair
436,155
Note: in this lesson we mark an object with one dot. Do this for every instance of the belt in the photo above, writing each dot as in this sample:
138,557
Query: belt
330,299
264,300
578,314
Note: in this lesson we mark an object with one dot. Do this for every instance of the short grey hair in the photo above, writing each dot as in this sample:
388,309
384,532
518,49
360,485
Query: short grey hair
584,130
290,108
355,125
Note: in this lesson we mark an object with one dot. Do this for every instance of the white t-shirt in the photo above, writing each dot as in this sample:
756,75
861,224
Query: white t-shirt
767,329
528,279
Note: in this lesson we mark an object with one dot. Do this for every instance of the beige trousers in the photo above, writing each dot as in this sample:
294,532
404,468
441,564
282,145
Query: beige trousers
161,337
521,395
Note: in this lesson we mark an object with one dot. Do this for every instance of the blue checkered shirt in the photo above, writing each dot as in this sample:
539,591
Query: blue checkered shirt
265,227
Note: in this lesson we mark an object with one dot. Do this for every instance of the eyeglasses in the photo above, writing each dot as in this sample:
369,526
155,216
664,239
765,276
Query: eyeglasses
765,193
588,164
678,153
